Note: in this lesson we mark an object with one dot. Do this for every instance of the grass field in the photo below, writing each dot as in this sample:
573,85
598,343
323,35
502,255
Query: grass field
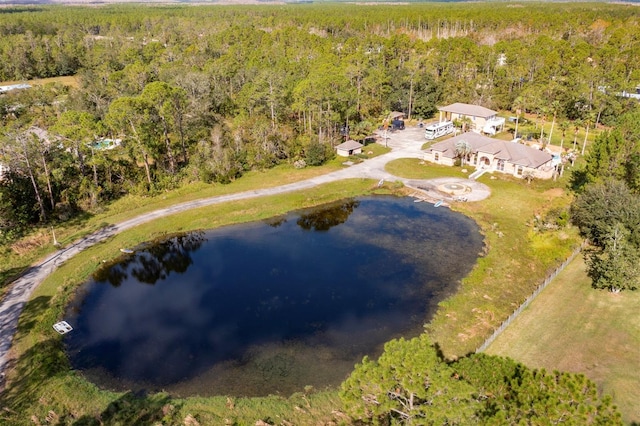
40,381
572,327
515,261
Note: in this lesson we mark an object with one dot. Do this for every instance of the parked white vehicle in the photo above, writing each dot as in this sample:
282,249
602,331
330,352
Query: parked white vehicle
434,131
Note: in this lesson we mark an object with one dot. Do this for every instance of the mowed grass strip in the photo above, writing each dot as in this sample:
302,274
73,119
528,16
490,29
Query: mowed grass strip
40,380
516,259
572,327
40,242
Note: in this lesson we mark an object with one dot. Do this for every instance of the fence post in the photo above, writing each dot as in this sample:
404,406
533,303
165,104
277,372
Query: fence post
528,300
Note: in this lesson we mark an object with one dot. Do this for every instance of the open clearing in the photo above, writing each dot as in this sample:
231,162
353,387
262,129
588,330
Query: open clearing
66,80
572,327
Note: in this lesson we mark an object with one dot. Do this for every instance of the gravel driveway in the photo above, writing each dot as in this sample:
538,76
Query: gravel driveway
404,144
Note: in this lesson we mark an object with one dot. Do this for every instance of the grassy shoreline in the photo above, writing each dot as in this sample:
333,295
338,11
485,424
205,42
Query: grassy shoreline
41,371
41,381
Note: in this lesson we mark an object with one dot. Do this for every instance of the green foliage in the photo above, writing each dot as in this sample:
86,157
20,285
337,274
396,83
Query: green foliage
614,154
317,153
614,265
17,210
608,215
555,218
408,384
601,207
606,157
514,394
411,384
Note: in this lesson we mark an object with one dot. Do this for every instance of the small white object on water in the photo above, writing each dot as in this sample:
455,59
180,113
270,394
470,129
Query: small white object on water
62,327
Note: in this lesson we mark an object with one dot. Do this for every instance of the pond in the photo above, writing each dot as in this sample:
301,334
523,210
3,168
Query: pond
269,307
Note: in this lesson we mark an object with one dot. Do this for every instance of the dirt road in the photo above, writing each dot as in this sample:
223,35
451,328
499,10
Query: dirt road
404,144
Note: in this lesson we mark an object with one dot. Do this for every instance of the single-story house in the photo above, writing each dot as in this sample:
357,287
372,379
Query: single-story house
481,118
348,148
494,155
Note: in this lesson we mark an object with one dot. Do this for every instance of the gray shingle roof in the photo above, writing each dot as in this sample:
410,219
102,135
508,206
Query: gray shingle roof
448,147
349,145
470,110
512,152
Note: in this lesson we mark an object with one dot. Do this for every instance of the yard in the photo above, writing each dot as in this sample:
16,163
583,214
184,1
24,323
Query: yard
572,327
514,262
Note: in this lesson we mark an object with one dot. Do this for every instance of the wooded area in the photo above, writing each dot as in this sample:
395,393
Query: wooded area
411,384
207,93
169,95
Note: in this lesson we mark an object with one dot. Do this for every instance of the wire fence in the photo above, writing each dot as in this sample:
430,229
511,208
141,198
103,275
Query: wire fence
528,300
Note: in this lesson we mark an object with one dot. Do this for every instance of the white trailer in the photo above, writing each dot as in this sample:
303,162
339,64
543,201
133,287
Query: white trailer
435,130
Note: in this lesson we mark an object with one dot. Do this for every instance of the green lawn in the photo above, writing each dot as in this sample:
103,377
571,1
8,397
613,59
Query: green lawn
572,327
514,262
41,381
39,243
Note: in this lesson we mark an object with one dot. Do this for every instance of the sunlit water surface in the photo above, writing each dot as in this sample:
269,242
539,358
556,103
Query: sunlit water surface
270,307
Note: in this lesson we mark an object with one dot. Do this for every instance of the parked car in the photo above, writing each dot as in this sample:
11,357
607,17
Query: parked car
397,124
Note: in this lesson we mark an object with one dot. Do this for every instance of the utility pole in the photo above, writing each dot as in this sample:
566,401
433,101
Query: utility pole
55,241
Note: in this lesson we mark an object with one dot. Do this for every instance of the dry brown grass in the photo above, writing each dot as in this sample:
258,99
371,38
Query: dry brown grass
69,80
30,243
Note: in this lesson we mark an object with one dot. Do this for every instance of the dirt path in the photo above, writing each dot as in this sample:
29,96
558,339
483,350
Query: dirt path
404,144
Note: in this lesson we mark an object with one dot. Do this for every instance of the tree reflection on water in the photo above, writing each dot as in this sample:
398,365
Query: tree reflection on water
328,216
155,262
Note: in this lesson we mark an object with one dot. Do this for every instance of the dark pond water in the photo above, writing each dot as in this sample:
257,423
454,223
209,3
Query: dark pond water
270,307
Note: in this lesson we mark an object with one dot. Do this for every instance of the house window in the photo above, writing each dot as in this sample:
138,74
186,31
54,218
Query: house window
519,171
500,167
436,156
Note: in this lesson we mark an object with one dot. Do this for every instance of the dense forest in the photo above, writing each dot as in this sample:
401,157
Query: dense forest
207,93
162,96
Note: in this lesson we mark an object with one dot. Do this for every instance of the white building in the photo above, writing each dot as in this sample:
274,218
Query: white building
348,148
481,118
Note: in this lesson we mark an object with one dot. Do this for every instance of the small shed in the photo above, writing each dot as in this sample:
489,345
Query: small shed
348,148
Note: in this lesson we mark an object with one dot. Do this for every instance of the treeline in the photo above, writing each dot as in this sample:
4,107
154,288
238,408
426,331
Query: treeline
207,93
411,384
607,206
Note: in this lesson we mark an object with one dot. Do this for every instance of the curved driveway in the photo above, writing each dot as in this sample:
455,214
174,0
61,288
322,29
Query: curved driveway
404,144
